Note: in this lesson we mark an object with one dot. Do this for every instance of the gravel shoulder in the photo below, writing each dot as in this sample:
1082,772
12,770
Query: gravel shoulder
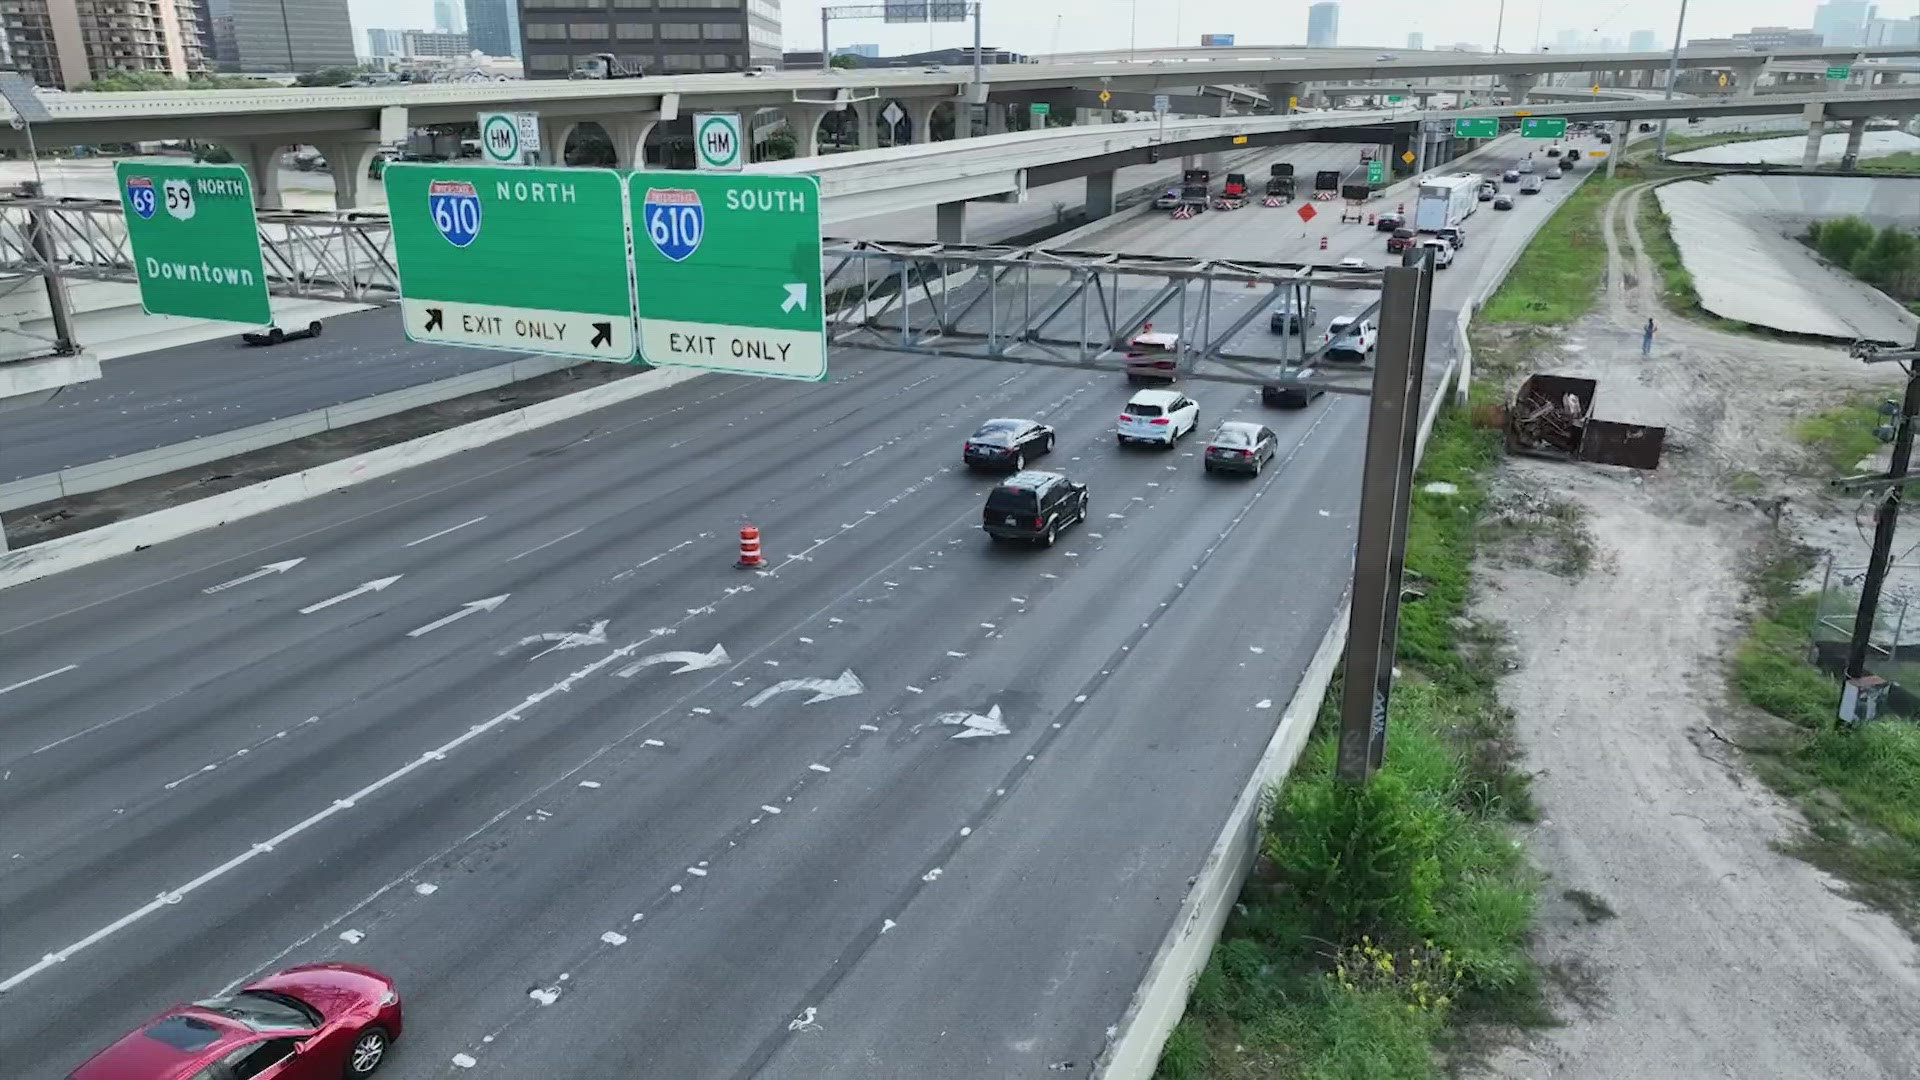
1683,943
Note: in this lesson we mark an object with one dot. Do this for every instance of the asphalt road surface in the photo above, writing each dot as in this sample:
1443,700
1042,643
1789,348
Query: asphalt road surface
192,391
512,728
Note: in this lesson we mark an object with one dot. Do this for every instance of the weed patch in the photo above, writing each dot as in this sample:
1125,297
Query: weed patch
1540,531
1840,437
1558,278
1859,788
1383,921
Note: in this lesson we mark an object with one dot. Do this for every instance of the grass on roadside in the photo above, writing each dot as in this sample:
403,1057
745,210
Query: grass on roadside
1859,788
1842,436
1562,271
1905,161
1383,922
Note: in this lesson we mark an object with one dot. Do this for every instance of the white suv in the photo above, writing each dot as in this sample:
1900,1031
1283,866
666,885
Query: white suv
1158,416
1349,338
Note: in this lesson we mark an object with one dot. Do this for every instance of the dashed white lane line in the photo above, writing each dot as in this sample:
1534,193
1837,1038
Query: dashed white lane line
238,754
37,678
548,544
443,532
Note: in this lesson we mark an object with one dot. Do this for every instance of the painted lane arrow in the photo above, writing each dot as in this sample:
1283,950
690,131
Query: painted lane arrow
688,661
602,334
466,609
847,685
975,726
435,317
796,297
570,639
375,585
270,568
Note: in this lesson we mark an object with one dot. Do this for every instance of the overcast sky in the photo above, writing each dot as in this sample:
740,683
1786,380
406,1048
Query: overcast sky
1029,25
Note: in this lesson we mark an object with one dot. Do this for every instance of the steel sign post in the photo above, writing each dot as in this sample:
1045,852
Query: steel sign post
196,249
727,273
532,260
717,142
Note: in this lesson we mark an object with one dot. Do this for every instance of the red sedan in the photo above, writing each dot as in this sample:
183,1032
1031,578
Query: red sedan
314,1022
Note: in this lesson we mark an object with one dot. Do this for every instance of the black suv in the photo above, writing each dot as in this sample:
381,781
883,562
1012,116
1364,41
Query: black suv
1034,505
1285,318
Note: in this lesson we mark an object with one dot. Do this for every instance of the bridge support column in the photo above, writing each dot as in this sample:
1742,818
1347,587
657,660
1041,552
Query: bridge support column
629,137
1622,131
996,117
962,118
950,223
867,123
1099,195
1402,142
262,162
804,122
553,141
922,117
347,160
1856,133
1748,77
1519,85
1279,93
1816,115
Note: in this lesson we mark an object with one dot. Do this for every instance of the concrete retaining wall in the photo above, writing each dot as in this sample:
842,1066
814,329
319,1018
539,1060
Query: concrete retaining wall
121,537
100,475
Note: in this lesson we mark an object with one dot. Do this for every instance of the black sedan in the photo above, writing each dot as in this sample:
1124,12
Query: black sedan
1294,392
1007,444
274,335
1504,202
1238,446
1388,222
1286,319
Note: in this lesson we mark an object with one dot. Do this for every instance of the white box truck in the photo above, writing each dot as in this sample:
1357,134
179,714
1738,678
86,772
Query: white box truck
1446,201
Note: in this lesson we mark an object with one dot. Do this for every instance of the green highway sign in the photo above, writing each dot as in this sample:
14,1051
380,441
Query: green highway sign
1039,109
1476,127
1376,172
196,248
717,144
1394,99
727,272
1543,127
1839,71
533,260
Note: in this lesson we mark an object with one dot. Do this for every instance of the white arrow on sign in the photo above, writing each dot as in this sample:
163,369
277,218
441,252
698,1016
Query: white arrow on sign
975,726
796,297
372,586
847,685
570,639
270,568
466,609
688,661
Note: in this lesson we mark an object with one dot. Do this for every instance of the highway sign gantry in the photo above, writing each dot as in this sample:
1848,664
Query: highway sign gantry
1543,127
533,260
1476,127
196,249
727,272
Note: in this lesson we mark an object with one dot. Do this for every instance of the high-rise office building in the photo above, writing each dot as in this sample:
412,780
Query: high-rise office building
1893,31
384,43
448,17
1642,41
494,26
1842,22
1323,25
70,43
1416,41
650,36
1768,38
277,36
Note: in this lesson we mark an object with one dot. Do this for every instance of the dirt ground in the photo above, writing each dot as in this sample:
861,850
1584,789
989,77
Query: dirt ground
1681,943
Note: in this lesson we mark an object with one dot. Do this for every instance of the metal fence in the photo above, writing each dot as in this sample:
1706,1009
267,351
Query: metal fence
1894,644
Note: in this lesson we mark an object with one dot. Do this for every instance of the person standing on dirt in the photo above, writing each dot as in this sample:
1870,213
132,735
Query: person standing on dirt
1646,339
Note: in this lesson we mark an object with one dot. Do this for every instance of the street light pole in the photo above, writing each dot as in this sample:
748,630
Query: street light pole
1673,72
1499,24
1133,29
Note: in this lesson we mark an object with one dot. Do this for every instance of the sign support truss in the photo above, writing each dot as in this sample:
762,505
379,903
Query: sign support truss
1079,309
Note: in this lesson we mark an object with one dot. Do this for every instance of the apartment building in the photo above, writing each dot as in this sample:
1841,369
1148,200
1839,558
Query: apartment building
70,43
277,36
654,37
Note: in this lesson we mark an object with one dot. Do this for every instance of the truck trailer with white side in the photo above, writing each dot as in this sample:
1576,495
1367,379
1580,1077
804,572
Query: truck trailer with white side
1446,201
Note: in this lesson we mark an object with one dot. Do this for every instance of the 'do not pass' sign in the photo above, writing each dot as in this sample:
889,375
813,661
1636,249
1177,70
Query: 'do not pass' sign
530,260
727,272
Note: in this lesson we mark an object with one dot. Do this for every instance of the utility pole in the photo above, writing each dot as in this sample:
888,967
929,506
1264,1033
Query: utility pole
1887,516
1673,72
1499,24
